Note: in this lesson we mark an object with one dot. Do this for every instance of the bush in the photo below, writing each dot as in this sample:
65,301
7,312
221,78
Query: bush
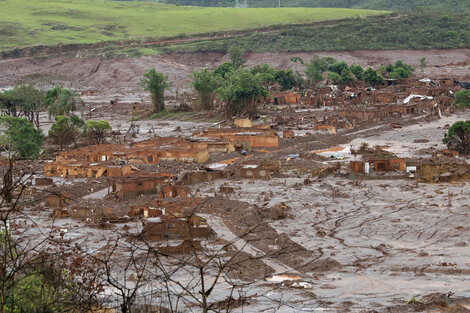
65,130
96,131
458,137
462,98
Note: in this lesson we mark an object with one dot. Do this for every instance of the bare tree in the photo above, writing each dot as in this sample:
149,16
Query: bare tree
39,271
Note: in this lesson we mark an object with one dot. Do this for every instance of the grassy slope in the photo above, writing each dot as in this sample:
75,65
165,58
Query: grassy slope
392,5
423,29
50,22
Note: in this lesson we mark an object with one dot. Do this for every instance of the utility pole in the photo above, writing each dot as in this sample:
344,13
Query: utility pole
278,3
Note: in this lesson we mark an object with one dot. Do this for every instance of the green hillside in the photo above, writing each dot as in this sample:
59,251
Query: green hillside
421,29
51,22
392,5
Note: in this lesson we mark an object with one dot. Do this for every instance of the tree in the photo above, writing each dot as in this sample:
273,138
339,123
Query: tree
458,137
357,70
346,77
96,131
398,70
9,103
25,100
205,83
21,140
267,73
462,98
371,77
297,59
334,77
338,67
62,101
156,83
422,64
236,56
40,272
316,67
223,69
239,90
66,130
286,79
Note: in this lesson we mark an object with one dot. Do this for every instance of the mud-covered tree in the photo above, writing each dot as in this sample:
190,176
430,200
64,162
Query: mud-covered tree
205,83
96,131
20,140
458,137
63,101
66,130
240,89
133,261
156,83
462,98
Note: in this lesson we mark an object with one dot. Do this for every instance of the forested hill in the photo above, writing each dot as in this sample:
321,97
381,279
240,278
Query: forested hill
390,5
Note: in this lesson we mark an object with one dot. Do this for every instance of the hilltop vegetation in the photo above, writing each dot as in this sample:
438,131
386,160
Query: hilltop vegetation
395,5
422,29
51,22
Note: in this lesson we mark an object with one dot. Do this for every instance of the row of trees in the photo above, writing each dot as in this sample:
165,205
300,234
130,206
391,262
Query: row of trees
67,129
338,72
239,87
28,101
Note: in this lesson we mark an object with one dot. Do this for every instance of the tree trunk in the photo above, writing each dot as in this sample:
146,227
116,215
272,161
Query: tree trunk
205,98
156,107
229,112
158,103
8,182
36,118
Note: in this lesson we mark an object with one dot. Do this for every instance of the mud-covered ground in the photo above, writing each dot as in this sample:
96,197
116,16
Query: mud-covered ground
360,245
393,239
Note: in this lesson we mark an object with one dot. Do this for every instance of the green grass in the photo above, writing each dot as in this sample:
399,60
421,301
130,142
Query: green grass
51,22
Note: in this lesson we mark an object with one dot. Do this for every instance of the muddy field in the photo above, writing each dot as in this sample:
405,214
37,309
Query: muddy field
119,77
381,242
355,245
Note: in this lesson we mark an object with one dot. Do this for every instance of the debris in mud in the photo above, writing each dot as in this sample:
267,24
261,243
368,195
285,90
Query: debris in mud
420,140
278,212
322,265
229,303
298,284
438,302
282,278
